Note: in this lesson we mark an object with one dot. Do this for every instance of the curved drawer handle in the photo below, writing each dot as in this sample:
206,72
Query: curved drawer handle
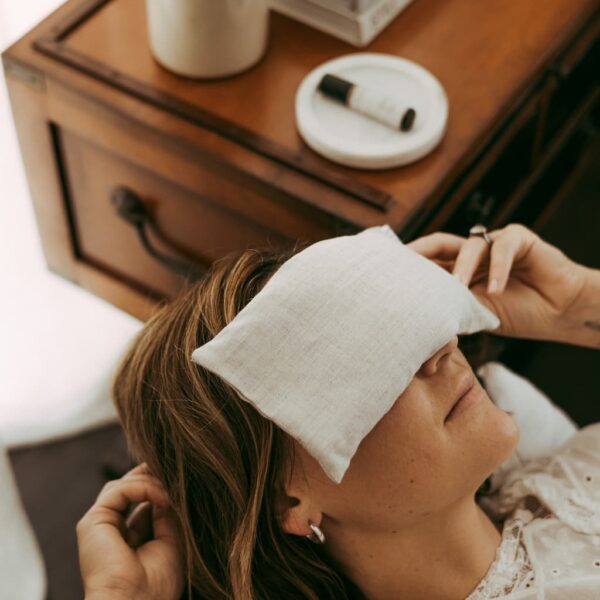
479,207
130,207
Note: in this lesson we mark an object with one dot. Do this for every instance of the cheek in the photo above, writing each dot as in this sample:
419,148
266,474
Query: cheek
486,443
400,458
401,478
409,465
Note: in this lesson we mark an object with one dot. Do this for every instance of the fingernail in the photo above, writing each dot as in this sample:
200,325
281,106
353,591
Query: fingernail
493,286
459,277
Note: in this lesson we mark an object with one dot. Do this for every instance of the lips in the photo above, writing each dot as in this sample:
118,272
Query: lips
466,383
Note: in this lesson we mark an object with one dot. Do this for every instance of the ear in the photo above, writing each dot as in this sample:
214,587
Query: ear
295,509
297,503
295,517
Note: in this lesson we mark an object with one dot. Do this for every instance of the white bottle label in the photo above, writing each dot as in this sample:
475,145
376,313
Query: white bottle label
380,106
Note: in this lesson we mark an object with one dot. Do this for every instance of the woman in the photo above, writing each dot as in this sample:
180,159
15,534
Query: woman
243,497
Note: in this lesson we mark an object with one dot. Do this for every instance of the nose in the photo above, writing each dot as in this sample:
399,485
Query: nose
431,365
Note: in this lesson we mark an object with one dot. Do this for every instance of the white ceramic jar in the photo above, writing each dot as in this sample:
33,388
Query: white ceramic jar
207,38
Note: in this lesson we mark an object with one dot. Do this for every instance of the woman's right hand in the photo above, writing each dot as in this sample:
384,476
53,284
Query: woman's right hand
134,556
537,284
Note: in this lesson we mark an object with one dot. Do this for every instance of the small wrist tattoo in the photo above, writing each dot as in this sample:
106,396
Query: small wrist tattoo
592,325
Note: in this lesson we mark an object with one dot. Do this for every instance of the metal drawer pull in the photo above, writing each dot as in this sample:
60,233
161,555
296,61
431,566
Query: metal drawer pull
479,207
130,207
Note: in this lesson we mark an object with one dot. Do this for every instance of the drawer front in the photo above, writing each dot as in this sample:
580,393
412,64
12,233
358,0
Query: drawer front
186,227
493,191
485,189
531,160
498,187
572,78
513,192
548,190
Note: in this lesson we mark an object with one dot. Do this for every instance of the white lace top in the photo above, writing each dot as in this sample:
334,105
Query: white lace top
550,548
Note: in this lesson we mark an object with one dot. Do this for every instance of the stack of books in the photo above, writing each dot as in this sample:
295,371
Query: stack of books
354,21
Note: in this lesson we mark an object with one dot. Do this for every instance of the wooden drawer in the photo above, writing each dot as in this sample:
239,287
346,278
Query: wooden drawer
572,77
529,159
546,193
520,189
187,227
501,166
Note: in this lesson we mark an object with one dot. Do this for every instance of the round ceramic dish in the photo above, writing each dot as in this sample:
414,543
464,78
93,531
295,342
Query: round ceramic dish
355,140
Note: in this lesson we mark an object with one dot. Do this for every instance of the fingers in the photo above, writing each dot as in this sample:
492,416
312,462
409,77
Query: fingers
116,497
459,255
131,555
138,514
139,525
142,468
163,524
133,489
473,252
149,520
439,245
501,260
509,248
473,255
137,486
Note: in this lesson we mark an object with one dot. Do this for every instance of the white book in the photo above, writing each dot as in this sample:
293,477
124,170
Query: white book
356,29
356,6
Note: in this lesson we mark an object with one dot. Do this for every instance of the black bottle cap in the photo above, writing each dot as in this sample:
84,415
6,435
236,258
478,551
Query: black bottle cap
408,119
335,87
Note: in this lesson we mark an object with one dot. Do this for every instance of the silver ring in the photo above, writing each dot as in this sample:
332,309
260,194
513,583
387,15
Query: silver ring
480,231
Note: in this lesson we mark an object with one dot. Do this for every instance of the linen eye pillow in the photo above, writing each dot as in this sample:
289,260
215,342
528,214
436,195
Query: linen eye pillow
325,348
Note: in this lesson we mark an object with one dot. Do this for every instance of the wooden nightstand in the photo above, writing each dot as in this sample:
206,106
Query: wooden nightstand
134,170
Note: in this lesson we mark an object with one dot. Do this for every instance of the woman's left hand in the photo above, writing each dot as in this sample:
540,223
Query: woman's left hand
536,283
134,558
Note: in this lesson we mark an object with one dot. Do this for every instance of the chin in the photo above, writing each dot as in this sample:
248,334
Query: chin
497,438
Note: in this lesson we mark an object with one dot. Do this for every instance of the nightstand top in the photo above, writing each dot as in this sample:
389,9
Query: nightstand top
489,56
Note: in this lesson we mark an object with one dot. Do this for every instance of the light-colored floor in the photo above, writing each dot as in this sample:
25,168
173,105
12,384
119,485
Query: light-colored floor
58,343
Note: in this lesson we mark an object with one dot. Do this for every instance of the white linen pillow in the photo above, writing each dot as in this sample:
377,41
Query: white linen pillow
325,348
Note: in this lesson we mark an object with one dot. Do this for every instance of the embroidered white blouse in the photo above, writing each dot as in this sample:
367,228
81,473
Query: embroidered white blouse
550,504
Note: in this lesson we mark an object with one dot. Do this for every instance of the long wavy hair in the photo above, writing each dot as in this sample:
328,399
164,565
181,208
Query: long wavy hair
222,463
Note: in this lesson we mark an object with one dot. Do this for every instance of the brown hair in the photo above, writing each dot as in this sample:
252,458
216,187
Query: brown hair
223,464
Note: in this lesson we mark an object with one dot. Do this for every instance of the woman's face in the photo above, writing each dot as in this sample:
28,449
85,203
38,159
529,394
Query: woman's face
414,462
